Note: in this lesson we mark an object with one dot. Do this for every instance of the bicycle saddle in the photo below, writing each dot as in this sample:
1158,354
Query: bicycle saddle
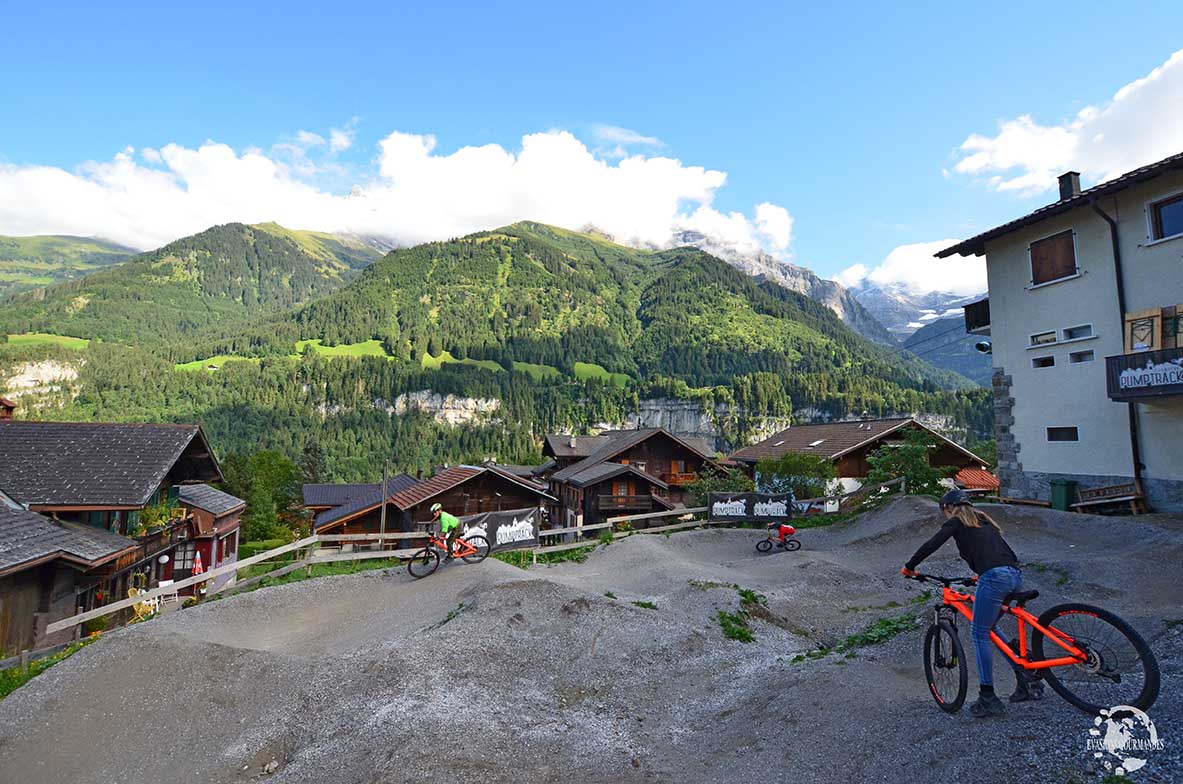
1020,597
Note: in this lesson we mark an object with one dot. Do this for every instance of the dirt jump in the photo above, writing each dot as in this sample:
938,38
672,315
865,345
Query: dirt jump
617,669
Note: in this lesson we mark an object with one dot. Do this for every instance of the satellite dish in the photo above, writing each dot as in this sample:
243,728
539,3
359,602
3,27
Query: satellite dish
984,346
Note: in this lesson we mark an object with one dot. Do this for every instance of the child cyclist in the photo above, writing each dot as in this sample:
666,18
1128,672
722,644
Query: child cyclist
449,525
980,543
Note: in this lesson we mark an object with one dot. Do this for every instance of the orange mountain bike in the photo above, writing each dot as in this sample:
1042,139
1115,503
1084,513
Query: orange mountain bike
1091,657
472,549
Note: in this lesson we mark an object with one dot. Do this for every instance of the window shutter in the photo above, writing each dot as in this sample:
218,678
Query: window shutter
1053,258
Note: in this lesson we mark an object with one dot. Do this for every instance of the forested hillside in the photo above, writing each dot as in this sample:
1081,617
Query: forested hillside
541,329
33,262
223,276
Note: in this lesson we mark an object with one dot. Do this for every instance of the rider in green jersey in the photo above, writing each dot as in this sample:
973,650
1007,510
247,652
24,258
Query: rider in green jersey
449,524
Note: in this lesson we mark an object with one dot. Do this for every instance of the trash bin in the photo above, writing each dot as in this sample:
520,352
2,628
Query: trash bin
1063,494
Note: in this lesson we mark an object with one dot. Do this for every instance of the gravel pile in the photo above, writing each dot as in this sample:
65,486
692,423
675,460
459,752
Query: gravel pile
566,673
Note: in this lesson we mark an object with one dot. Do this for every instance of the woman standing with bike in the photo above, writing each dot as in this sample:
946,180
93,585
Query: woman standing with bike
980,543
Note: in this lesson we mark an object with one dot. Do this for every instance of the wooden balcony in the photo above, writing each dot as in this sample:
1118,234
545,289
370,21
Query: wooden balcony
977,317
625,503
1145,374
680,478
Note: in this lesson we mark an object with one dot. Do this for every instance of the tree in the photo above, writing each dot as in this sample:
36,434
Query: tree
805,476
312,463
270,485
909,460
719,480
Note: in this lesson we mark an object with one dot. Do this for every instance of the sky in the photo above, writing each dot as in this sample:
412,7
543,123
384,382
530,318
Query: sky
854,139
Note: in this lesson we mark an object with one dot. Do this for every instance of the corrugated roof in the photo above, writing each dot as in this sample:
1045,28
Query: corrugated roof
619,442
27,537
601,471
83,463
208,498
976,479
976,245
344,493
828,440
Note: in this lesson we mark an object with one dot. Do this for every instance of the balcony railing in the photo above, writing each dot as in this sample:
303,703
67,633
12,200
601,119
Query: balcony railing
1146,374
977,317
631,503
679,478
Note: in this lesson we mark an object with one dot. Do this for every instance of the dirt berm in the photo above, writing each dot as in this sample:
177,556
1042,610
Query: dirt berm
488,673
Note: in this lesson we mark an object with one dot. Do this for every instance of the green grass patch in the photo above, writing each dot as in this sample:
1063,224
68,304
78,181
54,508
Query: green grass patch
1060,574
41,338
247,549
523,560
13,678
318,570
428,362
735,626
645,605
892,605
877,633
366,348
750,598
213,363
538,372
586,370
609,594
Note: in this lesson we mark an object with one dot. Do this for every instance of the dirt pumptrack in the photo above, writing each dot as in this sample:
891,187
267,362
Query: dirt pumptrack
489,673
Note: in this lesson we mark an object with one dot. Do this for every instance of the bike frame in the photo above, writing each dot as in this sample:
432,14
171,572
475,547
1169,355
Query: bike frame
463,548
961,602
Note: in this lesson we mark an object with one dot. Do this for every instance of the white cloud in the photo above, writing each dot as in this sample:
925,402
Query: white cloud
1142,123
339,140
415,194
614,134
913,268
309,139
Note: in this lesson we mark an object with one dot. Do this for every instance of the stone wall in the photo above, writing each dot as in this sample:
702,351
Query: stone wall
1010,469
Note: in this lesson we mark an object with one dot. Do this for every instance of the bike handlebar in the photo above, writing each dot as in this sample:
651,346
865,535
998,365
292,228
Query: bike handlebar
946,581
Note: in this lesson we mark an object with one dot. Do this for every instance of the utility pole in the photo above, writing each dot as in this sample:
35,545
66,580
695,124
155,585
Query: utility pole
382,524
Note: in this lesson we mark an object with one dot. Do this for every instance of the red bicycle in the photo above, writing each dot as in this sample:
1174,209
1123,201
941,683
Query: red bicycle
1089,656
471,549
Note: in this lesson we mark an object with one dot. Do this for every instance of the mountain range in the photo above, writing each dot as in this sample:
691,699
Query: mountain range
35,262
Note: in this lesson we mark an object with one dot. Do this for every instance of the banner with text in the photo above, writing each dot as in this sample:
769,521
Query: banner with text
750,507
505,530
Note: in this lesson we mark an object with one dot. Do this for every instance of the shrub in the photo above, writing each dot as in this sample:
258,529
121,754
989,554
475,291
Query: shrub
909,460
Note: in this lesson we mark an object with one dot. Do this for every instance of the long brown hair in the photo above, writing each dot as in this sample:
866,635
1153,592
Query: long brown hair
972,518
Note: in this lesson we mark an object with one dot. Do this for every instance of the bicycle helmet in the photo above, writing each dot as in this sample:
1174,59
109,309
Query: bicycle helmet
956,497
436,507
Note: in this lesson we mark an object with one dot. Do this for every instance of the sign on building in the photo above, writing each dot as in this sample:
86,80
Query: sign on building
750,507
505,530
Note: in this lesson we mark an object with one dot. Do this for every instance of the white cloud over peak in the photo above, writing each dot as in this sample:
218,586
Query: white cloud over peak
416,194
915,269
614,134
1142,123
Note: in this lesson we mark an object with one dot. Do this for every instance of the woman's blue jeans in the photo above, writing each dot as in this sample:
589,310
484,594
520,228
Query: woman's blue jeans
993,585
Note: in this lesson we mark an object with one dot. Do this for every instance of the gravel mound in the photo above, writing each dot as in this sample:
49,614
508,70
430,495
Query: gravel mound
612,670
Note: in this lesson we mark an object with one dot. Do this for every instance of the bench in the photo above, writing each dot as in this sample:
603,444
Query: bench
1130,493
1024,501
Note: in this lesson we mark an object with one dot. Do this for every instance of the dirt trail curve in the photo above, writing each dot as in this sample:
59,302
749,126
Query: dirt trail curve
493,674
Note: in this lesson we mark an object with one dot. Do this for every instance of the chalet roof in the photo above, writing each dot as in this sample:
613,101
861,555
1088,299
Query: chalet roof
451,477
598,473
618,442
91,464
343,493
210,499
525,471
574,446
976,245
976,479
27,538
832,440
6,403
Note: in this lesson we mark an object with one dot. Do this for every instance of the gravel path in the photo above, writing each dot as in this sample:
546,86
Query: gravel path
489,673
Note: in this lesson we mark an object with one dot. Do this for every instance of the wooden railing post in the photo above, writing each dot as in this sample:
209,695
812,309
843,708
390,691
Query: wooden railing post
24,663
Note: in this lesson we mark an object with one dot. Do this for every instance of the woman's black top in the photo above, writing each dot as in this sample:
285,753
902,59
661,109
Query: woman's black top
982,548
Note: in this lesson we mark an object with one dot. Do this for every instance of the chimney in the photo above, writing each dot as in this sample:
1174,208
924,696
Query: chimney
1069,185
571,442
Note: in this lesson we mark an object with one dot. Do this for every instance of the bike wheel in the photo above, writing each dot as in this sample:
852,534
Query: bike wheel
944,666
792,544
764,545
1121,669
482,548
423,563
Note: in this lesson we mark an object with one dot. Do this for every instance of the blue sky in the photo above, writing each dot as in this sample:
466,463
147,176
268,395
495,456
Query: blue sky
849,117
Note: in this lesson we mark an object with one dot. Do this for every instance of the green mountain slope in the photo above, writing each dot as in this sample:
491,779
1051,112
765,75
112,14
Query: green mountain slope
945,344
32,262
223,276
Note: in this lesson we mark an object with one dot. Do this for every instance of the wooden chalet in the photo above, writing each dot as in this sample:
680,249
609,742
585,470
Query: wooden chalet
461,490
847,445
320,497
216,519
43,565
122,479
7,408
625,471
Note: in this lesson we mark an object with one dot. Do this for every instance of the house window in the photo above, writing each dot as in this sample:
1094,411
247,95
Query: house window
1062,434
1043,338
183,556
1043,362
1079,333
1076,357
1166,218
1053,258
678,466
